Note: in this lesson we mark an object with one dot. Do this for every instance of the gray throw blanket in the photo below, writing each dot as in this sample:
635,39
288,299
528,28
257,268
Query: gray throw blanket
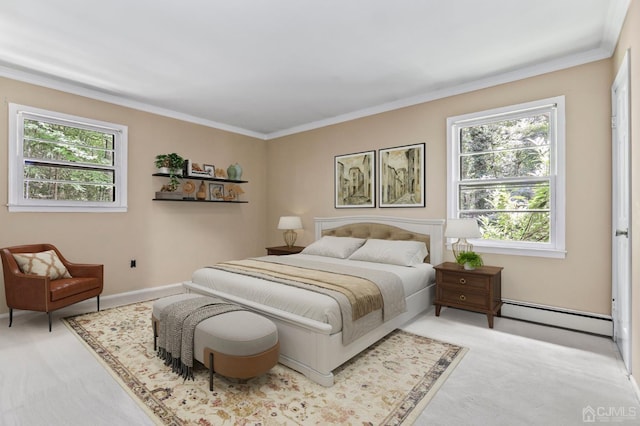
178,323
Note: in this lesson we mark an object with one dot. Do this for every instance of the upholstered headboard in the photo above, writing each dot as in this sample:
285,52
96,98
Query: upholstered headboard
429,231
380,232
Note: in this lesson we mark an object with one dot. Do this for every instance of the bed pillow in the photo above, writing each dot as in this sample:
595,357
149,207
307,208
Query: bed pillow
340,247
44,264
403,253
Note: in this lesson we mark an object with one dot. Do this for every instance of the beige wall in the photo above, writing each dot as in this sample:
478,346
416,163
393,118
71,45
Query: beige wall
294,175
630,40
301,179
169,240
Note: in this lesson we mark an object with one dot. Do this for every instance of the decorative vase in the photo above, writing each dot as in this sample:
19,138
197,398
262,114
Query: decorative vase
231,172
468,267
202,191
238,171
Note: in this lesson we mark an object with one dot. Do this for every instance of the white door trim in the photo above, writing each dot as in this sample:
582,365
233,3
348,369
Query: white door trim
621,211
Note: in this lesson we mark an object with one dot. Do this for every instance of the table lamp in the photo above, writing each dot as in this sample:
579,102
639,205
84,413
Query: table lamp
289,223
462,229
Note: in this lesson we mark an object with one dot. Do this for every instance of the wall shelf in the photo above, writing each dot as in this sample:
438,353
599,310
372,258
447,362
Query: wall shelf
202,178
205,178
190,200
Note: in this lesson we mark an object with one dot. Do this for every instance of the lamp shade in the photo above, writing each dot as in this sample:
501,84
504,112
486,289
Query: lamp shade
290,222
462,228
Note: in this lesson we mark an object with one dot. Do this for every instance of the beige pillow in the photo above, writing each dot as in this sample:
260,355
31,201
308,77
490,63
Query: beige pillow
44,264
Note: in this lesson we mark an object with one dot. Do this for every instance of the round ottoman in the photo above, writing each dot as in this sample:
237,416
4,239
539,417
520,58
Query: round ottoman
237,344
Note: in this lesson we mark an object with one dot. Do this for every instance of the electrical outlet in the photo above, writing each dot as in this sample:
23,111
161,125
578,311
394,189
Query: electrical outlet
133,263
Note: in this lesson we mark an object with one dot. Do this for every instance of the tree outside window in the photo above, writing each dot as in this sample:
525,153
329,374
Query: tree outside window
504,173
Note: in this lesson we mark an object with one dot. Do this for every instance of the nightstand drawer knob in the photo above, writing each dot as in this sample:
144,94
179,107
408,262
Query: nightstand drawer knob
463,281
463,297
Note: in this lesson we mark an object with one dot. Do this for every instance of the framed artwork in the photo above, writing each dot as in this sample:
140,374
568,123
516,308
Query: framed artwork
402,176
355,180
199,170
216,191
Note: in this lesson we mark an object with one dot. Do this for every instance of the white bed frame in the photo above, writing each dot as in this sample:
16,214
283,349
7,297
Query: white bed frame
307,345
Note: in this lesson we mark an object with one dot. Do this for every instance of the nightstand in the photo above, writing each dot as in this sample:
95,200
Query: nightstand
284,250
478,290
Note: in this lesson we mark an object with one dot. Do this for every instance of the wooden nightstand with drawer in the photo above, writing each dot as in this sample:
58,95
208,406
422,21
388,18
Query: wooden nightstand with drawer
284,250
478,290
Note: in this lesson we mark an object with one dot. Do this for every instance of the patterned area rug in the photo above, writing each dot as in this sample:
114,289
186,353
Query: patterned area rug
390,383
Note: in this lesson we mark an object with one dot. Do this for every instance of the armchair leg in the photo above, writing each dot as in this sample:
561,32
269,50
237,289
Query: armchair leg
98,298
49,321
10,316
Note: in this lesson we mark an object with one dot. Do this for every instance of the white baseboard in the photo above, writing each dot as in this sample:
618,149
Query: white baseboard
119,299
558,317
135,296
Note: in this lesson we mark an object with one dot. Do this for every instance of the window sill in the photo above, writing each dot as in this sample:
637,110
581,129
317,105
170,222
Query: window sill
519,251
65,209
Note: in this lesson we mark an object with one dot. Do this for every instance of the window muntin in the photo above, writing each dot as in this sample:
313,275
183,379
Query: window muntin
506,171
65,163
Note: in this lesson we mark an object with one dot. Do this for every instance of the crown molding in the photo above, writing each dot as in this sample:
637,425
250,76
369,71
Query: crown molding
508,77
52,83
611,32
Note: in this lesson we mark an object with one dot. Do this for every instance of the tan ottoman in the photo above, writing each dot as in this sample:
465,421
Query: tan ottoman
238,344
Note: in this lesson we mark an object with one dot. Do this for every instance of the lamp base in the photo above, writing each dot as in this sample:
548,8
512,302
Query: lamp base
461,246
290,237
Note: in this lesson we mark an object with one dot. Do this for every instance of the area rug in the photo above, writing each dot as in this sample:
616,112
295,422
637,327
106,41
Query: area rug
390,383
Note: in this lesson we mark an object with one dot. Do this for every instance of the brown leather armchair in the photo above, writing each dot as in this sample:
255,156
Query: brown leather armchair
40,293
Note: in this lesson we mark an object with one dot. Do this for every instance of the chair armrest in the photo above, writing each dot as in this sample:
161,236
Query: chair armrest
85,270
25,291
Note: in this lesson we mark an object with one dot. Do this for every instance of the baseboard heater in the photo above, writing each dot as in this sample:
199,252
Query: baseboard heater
558,317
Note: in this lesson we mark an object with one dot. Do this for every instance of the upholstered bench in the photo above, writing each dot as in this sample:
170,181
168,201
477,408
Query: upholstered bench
237,344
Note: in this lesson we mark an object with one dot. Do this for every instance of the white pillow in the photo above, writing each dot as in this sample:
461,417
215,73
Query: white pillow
403,253
44,264
340,247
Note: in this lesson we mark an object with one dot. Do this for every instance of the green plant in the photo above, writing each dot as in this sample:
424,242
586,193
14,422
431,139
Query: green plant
470,258
171,161
174,163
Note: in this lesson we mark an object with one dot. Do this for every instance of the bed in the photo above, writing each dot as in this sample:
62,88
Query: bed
313,340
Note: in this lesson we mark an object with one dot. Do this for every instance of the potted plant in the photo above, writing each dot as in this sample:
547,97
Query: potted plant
171,164
470,260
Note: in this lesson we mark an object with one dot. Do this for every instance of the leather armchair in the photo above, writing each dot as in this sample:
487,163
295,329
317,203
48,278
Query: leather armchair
40,293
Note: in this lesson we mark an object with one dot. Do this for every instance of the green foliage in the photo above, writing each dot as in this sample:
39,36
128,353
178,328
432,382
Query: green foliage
470,258
171,161
503,166
515,219
67,163
174,163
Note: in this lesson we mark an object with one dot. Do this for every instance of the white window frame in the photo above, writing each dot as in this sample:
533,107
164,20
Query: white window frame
555,248
17,202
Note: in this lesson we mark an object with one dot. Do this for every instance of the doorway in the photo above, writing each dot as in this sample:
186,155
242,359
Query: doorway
621,232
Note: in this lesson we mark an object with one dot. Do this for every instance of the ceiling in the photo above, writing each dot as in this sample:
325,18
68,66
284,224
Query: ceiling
271,68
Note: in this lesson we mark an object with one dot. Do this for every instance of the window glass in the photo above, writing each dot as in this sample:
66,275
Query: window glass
66,163
506,172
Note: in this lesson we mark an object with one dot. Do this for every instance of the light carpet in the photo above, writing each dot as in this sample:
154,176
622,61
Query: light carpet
390,383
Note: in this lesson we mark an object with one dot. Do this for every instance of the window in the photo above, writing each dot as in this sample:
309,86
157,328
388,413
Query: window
506,169
59,162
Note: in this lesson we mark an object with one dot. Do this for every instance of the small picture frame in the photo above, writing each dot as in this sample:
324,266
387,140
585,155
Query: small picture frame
216,191
199,170
209,169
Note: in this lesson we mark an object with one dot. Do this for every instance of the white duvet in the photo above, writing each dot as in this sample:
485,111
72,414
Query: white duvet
312,305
